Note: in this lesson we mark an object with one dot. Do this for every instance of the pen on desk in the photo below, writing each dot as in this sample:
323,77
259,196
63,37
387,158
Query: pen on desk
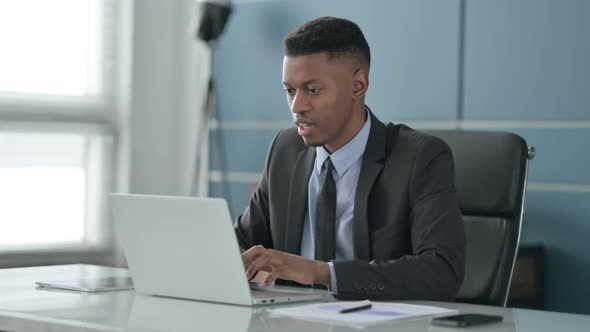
355,309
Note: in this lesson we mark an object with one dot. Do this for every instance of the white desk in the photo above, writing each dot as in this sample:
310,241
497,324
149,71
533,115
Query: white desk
25,308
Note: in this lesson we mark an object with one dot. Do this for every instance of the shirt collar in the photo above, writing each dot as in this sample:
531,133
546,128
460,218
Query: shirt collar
344,157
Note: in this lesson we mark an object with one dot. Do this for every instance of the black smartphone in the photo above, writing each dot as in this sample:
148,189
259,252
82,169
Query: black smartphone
466,320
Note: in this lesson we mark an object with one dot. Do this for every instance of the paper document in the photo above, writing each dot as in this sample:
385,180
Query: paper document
379,312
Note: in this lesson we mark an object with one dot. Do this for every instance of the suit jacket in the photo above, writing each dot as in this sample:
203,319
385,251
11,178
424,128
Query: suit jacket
408,235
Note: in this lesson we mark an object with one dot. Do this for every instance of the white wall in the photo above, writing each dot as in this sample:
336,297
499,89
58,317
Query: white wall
168,76
163,76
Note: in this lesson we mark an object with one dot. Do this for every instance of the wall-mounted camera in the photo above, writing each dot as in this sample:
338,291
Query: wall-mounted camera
214,16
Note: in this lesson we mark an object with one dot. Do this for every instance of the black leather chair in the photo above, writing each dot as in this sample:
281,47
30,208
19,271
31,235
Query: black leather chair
490,177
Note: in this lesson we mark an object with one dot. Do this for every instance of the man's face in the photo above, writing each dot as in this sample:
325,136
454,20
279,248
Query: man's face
320,96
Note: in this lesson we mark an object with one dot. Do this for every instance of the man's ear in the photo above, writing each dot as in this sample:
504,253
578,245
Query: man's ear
360,83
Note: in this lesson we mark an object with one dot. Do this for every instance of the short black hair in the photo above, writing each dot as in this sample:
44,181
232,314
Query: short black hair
336,36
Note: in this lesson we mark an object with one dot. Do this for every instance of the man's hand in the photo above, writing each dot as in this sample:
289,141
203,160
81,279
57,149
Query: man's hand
284,266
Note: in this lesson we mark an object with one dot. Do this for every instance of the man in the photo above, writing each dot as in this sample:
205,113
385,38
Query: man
345,201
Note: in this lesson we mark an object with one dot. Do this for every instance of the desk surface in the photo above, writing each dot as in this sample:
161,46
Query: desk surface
25,308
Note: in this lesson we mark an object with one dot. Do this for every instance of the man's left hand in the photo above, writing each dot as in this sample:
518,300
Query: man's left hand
284,266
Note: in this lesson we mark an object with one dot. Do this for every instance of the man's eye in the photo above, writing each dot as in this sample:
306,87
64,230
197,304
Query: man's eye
289,91
312,91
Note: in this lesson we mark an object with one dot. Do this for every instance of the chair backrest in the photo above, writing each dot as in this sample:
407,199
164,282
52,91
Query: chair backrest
490,177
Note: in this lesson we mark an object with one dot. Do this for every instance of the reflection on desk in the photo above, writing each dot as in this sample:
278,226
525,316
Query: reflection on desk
23,308
167,314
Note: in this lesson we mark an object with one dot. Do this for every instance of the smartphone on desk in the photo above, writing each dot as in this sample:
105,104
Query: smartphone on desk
464,320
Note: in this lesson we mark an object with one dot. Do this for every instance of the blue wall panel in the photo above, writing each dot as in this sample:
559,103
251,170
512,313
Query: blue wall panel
561,222
240,195
414,46
562,154
527,59
244,150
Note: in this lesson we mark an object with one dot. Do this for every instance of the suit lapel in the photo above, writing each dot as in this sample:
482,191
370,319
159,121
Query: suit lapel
371,166
297,206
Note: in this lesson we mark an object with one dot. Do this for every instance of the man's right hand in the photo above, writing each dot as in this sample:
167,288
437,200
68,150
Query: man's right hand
285,266
260,277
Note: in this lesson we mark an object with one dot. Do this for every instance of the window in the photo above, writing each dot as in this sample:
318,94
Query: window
56,137
50,47
50,183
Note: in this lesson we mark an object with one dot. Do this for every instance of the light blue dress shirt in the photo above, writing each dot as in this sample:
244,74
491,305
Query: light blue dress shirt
347,165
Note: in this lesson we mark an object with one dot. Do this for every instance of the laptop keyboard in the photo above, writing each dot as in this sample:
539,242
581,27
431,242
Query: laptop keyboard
261,293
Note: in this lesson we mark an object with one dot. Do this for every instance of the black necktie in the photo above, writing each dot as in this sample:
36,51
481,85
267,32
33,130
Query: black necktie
325,220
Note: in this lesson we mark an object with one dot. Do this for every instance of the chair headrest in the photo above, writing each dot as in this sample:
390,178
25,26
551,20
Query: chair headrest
490,170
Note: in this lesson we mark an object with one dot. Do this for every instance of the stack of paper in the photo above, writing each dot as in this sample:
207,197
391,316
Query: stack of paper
378,313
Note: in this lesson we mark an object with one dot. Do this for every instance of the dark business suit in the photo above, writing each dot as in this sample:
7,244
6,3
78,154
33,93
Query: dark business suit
408,235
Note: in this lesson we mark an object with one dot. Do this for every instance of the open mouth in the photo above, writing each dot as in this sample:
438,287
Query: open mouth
304,129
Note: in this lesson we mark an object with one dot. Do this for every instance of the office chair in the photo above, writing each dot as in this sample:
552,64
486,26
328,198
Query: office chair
490,178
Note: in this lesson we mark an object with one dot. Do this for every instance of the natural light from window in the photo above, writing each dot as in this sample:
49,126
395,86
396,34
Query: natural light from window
49,47
41,206
43,189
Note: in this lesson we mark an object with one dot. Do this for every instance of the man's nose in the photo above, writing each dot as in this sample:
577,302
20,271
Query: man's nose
299,103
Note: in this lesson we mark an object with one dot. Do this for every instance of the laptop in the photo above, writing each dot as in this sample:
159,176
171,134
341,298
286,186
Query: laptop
185,247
